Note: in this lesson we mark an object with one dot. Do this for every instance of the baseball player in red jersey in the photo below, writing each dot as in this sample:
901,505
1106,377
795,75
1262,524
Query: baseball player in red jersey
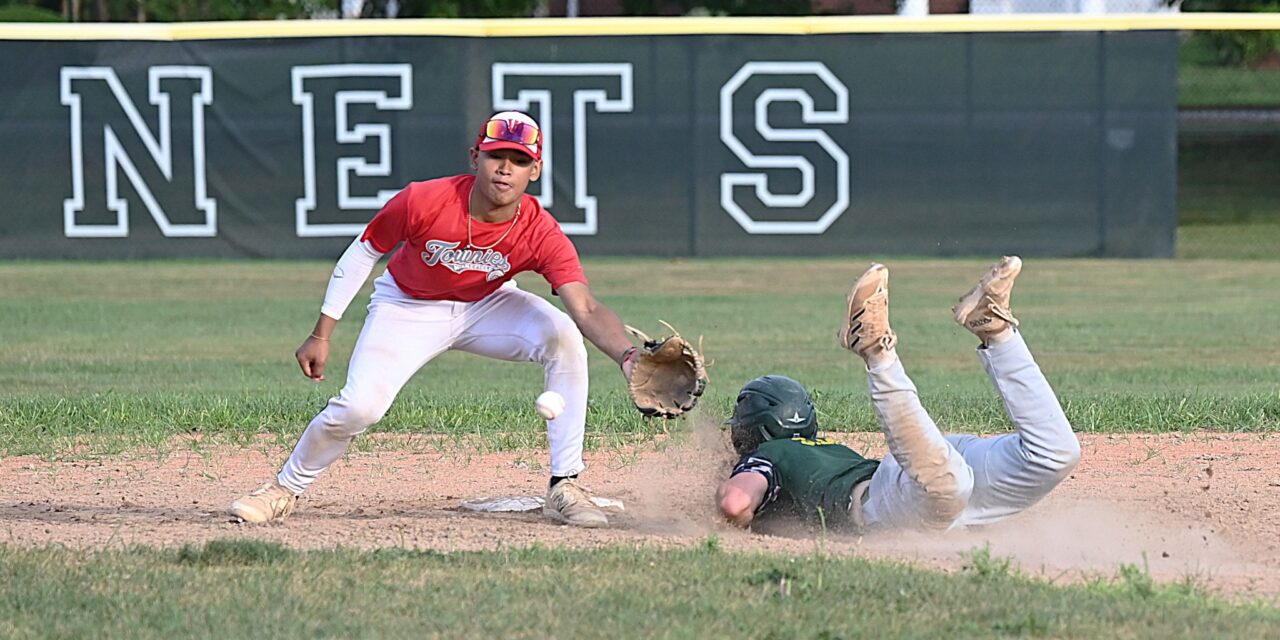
450,287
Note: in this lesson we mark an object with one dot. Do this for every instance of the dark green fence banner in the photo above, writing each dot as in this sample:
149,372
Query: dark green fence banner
1048,144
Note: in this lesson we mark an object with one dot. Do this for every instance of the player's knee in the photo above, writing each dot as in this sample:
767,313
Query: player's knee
952,481
355,416
946,496
563,339
1067,455
1058,458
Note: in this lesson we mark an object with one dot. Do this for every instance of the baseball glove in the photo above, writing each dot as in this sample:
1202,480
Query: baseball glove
667,375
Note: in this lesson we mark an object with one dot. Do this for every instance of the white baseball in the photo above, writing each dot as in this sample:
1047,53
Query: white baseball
549,405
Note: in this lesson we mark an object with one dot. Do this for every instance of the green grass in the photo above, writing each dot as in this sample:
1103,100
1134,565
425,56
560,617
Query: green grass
256,589
100,357
1229,178
1228,194
1250,241
1202,82
1227,87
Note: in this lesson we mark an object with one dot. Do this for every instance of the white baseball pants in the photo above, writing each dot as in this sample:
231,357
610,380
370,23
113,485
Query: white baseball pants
401,334
932,481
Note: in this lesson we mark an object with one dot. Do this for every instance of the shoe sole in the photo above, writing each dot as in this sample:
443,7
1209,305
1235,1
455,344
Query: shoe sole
844,333
971,300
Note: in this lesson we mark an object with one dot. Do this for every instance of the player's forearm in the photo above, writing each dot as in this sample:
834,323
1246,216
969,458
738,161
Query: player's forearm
602,327
349,274
598,323
324,327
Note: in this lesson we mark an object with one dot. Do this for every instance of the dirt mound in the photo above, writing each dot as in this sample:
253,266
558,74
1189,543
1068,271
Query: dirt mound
1201,505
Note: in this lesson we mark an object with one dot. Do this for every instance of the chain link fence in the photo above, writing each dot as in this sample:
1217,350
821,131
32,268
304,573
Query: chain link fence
1068,6
586,8
1229,144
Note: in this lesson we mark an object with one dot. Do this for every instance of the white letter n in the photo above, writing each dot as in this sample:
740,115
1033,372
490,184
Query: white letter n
107,116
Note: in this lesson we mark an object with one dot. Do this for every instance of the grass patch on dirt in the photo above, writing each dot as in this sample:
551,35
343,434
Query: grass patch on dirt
236,588
99,357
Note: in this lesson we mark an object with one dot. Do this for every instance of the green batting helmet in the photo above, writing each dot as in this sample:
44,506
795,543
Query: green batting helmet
771,407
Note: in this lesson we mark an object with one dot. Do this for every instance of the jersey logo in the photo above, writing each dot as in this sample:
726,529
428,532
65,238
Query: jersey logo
796,419
812,442
448,255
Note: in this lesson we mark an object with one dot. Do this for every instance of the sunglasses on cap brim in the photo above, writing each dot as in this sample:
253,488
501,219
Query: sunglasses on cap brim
512,131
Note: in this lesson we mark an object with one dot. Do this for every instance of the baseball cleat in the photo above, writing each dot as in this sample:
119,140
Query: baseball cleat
866,329
570,503
265,504
984,311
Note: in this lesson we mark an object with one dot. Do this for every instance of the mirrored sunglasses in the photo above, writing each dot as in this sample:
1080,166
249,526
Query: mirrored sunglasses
512,131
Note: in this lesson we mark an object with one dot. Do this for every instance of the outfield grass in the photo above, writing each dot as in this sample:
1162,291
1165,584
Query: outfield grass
1228,194
253,589
107,356
1229,178
1228,87
1202,82
1260,241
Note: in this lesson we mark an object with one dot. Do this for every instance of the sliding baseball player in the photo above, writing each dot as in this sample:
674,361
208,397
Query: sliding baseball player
929,480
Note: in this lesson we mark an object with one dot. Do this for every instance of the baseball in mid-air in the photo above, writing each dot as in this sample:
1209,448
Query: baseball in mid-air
549,405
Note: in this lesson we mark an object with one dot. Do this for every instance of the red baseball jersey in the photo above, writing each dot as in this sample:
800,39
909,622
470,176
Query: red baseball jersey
436,263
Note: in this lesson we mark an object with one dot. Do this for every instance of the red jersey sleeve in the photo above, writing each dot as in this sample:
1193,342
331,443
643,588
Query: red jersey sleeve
557,257
390,226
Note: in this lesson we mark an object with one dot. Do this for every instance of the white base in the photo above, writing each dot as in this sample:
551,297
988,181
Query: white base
526,503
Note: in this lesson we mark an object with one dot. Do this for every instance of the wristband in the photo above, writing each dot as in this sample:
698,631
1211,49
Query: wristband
626,355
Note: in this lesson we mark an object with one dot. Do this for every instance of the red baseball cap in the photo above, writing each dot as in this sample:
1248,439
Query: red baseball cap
511,130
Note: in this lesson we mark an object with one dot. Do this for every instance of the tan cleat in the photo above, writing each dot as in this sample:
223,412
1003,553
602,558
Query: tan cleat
570,503
984,311
866,330
265,504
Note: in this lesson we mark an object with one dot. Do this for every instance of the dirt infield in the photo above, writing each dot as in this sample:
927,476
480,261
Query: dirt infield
1204,505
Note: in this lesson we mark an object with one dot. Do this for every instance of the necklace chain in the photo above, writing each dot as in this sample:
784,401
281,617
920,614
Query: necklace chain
514,220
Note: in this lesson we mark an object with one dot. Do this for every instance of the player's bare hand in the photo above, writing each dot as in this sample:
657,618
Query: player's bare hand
312,356
741,521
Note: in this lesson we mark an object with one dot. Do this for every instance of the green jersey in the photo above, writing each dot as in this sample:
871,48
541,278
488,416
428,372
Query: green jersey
806,475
